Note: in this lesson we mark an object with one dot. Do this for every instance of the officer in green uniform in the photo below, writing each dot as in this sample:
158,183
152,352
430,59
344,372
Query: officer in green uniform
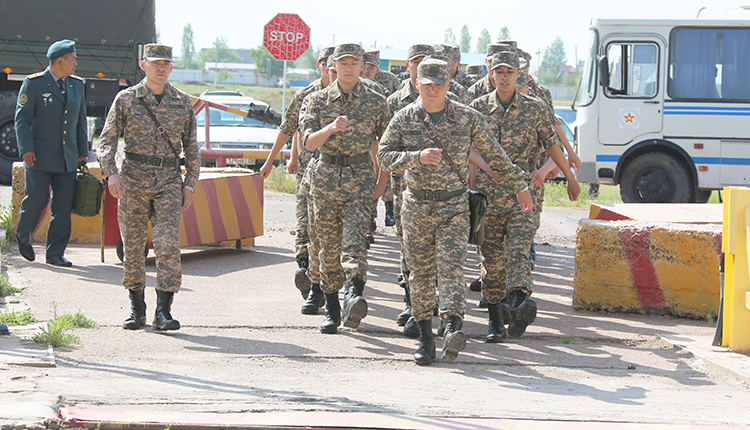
52,140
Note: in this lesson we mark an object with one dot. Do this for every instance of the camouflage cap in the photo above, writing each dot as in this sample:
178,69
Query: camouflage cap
329,62
441,57
523,64
512,43
523,79
348,50
420,50
60,48
523,54
325,53
154,52
438,48
475,70
433,71
372,56
495,48
452,51
509,59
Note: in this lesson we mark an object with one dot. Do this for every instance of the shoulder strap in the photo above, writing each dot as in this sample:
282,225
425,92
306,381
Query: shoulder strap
159,128
422,117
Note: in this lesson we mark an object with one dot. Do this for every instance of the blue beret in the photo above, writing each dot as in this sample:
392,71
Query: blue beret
60,48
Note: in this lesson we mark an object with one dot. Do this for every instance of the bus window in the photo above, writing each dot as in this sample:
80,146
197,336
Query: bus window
632,70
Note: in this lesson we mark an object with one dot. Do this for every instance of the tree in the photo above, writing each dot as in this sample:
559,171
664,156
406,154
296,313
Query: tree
225,55
306,61
465,39
554,57
504,34
483,40
448,36
188,48
267,65
223,75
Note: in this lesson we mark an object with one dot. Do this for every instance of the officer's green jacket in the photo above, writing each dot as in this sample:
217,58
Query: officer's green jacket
48,126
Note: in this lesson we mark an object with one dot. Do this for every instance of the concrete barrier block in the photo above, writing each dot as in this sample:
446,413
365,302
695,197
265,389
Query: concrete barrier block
632,266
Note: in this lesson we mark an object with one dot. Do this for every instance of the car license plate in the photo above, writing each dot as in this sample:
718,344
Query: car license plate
241,161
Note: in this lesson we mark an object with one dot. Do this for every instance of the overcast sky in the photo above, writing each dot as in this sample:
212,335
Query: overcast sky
398,24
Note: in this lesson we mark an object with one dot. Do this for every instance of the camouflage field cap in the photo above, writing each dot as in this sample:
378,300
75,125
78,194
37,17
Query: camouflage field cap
523,64
154,52
452,51
438,48
433,71
475,70
329,62
441,57
509,59
60,48
523,54
523,79
512,43
372,56
421,50
496,48
325,53
348,50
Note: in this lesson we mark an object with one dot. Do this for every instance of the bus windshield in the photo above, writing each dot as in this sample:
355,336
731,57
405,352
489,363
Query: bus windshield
588,79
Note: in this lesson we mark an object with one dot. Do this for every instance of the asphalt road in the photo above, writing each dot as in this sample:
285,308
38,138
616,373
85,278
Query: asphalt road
244,346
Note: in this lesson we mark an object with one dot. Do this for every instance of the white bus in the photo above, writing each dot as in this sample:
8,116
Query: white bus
664,105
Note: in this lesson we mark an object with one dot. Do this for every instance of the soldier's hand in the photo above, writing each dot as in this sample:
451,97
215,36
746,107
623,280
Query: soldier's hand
29,158
553,173
430,156
574,161
187,198
537,178
265,170
339,124
116,186
574,189
291,165
524,199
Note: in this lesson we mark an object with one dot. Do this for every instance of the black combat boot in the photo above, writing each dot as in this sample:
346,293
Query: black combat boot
163,319
390,219
404,316
441,328
411,329
301,280
532,256
496,332
454,340
370,239
315,300
505,309
426,352
333,314
476,285
137,316
355,306
522,313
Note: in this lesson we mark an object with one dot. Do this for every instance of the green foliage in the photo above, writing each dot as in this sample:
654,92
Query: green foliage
483,40
552,61
56,331
225,55
17,318
281,180
308,60
188,49
223,74
504,34
6,217
448,36
567,340
6,289
556,195
465,42
267,65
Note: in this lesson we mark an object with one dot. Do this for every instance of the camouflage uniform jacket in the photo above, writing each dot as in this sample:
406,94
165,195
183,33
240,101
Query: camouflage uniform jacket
480,88
460,128
383,91
388,80
460,92
368,117
128,118
464,80
542,93
407,95
523,129
291,119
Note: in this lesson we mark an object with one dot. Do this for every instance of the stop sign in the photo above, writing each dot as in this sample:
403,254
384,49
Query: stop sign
286,36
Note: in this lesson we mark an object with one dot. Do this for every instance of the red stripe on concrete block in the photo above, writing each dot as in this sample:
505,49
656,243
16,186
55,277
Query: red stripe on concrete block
642,271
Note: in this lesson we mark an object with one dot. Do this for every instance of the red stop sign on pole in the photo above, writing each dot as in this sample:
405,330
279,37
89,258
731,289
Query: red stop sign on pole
286,36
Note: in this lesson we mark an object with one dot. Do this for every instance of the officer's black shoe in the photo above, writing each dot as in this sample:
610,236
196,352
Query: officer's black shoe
441,328
373,226
58,260
163,319
137,316
333,314
390,219
532,256
411,330
454,340
404,316
355,306
315,300
476,285
496,332
426,352
26,251
370,238
522,313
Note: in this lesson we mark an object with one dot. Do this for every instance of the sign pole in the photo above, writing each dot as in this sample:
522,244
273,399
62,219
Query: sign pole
283,91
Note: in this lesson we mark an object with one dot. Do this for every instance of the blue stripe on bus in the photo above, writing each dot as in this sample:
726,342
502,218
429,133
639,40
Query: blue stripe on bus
608,158
706,110
697,160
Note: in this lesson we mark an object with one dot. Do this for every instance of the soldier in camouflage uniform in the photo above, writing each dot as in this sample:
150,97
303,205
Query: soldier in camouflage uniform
383,77
149,184
523,126
344,121
453,52
486,85
475,72
435,213
297,164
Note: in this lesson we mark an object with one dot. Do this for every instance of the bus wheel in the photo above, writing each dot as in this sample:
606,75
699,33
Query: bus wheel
656,178
702,196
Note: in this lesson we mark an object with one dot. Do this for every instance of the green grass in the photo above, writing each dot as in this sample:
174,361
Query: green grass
56,332
17,318
6,217
556,195
567,340
280,180
6,289
270,95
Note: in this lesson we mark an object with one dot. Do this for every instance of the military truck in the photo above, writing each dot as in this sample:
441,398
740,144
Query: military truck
109,36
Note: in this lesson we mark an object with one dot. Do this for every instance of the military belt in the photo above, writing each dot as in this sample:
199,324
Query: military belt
153,161
344,160
435,195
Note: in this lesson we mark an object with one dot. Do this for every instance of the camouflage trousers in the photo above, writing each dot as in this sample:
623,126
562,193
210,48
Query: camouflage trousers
436,236
538,205
340,228
313,247
302,236
162,205
397,187
508,233
386,197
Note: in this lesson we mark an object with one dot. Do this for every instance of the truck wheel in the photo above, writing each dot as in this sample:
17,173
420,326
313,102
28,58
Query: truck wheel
656,178
8,145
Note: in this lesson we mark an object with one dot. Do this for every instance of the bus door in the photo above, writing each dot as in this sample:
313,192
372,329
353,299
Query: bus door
632,102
